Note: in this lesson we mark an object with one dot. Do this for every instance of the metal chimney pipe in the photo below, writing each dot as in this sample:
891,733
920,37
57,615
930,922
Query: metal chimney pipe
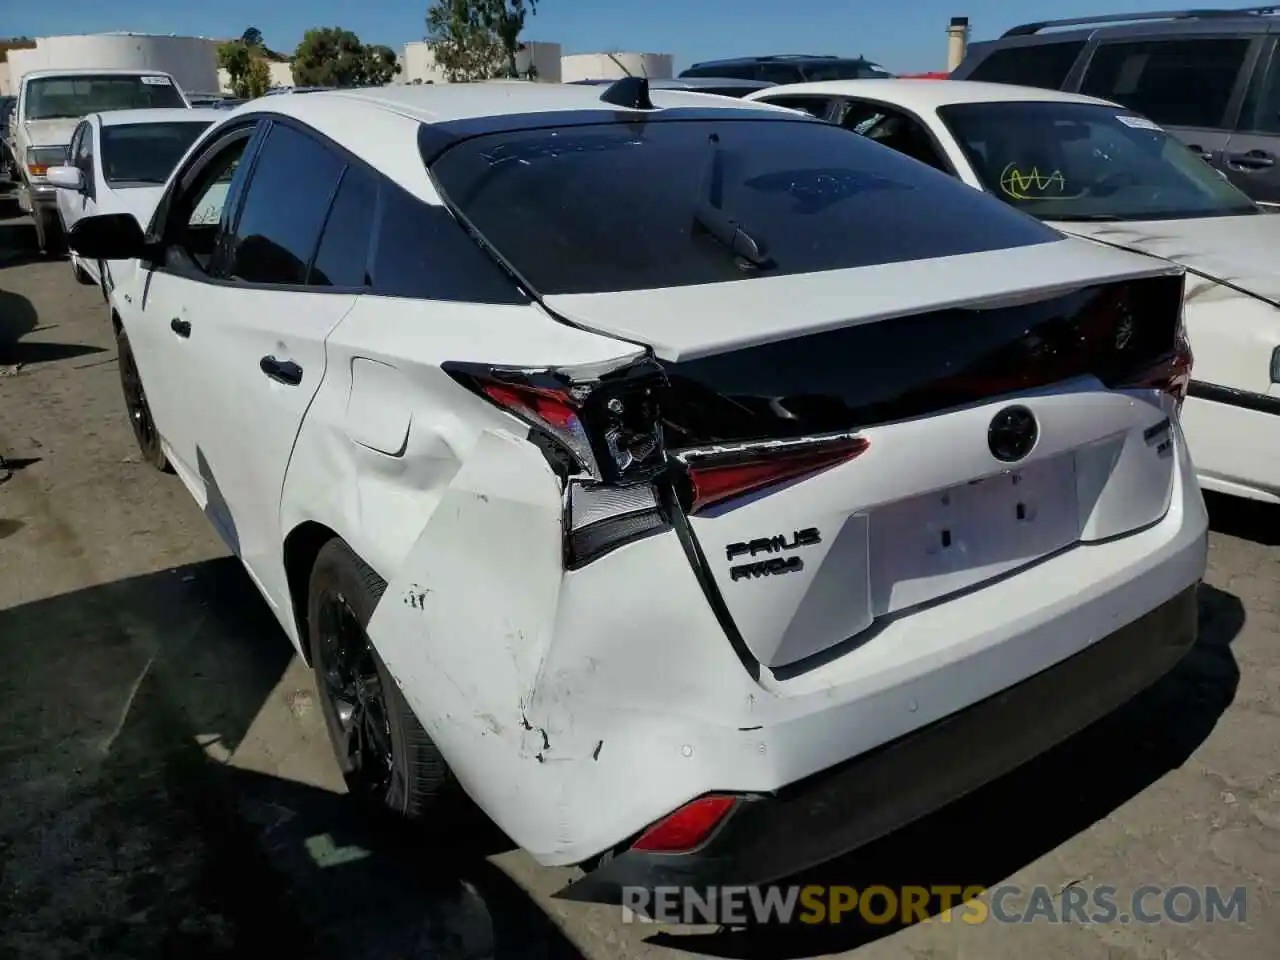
957,41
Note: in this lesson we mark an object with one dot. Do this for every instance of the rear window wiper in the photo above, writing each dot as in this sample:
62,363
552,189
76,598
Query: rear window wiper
708,213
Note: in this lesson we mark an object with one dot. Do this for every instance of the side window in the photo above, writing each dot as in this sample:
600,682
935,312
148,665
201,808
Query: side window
286,201
897,131
197,216
1035,65
1177,83
814,106
778,73
343,257
423,253
1262,110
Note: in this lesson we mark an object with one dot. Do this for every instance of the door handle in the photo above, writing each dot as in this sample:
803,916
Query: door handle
181,327
1203,154
281,371
1252,160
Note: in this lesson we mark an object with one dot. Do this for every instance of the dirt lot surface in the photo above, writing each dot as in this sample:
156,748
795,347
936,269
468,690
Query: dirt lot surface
166,789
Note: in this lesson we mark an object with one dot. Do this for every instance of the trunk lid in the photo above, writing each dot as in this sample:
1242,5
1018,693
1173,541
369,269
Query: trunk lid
1237,250
687,322
972,440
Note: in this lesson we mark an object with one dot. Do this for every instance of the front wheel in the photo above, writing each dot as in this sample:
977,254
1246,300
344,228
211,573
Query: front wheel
388,761
139,410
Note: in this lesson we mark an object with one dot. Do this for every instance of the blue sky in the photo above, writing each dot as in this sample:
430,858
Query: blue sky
903,36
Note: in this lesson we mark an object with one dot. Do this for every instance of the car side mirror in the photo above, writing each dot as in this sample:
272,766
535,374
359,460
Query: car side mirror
109,236
68,178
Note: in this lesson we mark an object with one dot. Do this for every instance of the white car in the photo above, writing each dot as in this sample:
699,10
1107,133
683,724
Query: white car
663,471
118,162
1099,170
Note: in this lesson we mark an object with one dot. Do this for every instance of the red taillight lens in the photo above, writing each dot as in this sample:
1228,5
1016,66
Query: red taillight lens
687,827
717,476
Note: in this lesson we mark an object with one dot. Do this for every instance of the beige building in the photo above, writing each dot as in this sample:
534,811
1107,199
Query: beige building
615,66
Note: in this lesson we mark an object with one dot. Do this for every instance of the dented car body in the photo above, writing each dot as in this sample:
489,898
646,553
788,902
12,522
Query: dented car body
710,521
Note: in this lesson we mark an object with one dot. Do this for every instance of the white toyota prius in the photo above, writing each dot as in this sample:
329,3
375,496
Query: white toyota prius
118,162
703,490
1099,170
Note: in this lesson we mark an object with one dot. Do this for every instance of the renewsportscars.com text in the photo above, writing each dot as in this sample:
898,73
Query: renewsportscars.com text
1146,904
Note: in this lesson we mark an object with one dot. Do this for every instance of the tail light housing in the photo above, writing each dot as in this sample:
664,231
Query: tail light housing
715,476
600,430
1171,374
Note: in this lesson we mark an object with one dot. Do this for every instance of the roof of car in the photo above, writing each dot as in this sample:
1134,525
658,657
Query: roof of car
922,94
689,83
117,118
439,103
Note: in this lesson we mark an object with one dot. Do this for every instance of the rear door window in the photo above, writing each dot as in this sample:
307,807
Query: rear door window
609,207
343,257
1177,83
1043,65
285,205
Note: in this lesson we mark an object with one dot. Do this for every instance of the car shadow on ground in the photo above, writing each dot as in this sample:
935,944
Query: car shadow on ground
994,832
124,833
18,244
1245,519
18,319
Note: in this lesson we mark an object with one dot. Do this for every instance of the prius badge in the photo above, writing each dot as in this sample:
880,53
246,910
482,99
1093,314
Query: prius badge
773,565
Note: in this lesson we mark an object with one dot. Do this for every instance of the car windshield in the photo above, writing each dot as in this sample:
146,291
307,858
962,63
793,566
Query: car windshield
1083,161
72,97
621,206
146,152
817,70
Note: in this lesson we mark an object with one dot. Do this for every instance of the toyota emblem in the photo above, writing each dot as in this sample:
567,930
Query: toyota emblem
1013,434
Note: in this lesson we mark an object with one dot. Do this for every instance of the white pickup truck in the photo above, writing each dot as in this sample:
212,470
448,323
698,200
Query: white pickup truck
50,105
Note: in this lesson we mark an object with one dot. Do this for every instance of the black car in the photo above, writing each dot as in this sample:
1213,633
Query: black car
1211,77
789,68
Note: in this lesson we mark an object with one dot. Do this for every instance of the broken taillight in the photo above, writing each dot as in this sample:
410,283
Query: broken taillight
601,432
1171,374
717,475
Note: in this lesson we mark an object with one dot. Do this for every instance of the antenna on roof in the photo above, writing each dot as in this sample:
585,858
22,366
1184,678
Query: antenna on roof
629,92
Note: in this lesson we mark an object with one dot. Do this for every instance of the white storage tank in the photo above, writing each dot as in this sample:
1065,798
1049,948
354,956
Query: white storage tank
614,66
191,61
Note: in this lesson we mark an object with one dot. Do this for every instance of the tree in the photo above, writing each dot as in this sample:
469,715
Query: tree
246,68
252,37
380,64
505,19
463,46
330,57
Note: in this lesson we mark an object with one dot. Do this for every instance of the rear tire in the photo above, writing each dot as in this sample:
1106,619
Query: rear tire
139,410
49,235
390,764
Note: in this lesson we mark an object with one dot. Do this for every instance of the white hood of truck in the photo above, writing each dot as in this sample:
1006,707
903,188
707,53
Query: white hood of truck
50,133
681,323
1240,251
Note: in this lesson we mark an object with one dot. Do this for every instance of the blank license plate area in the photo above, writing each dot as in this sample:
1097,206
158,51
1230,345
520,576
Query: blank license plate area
932,545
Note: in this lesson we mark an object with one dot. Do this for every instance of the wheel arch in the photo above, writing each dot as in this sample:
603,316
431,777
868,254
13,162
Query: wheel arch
301,547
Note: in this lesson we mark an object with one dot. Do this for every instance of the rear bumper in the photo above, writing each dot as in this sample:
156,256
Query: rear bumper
774,836
1235,443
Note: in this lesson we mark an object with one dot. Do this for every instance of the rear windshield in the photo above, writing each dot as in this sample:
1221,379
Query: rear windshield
146,152
1083,161
69,98
608,207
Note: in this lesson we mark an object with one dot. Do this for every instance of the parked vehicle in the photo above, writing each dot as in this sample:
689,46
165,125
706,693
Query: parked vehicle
50,105
661,469
787,68
8,167
1209,77
721,86
119,162
1099,170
